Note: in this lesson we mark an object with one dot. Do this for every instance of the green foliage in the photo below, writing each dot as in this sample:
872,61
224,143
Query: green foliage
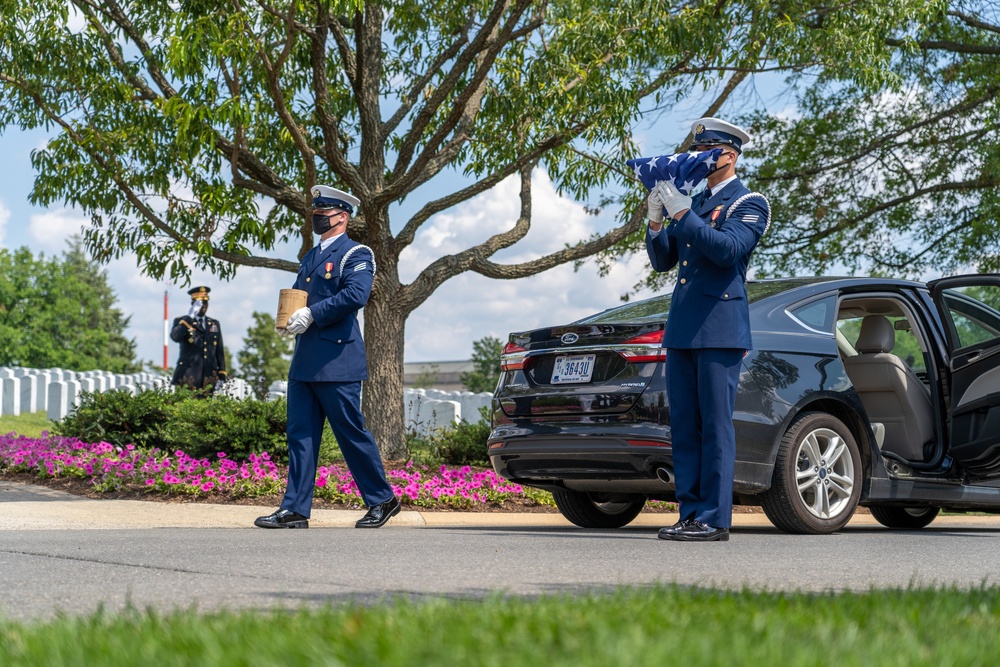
486,365
200,426
901,179
59,313
265,356
620,626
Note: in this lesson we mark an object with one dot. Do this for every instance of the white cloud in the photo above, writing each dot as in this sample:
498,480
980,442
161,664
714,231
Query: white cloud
470,306
4,219
50,230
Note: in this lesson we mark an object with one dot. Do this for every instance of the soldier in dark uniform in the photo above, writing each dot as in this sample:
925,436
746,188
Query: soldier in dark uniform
328,366
710,238
202,360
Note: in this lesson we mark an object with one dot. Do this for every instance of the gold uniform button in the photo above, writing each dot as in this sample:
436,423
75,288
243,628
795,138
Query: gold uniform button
683,280
338,340
684,263
689,245
725,296
308,279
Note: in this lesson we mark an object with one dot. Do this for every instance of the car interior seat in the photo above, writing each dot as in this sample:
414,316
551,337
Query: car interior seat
891,393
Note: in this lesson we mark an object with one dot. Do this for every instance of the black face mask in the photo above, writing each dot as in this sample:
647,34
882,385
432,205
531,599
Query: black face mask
321,223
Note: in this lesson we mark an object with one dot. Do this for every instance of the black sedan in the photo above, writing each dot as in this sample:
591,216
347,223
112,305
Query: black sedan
878,392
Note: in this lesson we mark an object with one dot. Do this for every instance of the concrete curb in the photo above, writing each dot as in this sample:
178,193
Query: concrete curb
30,507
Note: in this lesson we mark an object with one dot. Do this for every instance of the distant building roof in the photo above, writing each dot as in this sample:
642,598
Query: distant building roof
443,375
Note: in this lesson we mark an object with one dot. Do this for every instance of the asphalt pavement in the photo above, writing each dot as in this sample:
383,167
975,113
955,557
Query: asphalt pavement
65,554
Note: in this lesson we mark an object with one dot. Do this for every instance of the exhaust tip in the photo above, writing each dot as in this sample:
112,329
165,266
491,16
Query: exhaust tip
664,475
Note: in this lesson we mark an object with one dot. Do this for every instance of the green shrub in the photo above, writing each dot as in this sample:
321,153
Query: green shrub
203,427
200,426
120,418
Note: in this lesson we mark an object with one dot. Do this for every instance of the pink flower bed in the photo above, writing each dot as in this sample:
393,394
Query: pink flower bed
110,468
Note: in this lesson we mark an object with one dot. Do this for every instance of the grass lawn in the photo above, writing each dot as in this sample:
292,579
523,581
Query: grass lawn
666,625
31,424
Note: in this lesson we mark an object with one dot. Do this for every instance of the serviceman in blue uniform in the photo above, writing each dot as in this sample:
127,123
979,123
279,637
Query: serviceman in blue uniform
202,360
328,366
709,238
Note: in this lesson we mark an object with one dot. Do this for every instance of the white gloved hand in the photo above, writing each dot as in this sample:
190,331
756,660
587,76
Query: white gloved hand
655,206
283,332
300,320
673,199
195,309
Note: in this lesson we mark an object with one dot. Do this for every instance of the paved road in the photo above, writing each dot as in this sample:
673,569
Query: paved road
45,570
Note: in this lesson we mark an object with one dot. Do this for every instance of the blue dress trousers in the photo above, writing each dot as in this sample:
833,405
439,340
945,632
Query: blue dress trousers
324,381
707,334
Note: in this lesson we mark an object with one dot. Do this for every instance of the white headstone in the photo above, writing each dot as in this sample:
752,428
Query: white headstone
44,378
58,400
11,397
29,393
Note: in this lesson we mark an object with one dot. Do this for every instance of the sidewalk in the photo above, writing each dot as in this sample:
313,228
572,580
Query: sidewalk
30,507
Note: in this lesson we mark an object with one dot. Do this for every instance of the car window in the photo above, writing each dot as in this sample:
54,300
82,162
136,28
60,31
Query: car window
906,347
974,311
817,315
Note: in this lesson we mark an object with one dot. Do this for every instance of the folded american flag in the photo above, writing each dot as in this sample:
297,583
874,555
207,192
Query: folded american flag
686,170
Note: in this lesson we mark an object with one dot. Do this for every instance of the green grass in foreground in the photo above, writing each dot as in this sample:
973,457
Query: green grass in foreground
659,626
30,424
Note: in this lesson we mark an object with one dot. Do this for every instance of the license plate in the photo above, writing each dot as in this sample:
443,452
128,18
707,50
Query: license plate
574,369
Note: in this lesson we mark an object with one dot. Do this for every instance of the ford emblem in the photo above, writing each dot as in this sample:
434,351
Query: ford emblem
569,338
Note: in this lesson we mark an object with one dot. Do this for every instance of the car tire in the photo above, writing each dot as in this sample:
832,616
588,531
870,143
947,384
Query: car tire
893,516
817,477
598,510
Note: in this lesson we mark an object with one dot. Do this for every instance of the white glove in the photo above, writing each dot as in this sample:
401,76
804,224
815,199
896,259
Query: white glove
300,320
195,309
283,332
673,199
655,205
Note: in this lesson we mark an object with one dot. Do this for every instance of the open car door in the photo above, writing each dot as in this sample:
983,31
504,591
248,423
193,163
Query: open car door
970,311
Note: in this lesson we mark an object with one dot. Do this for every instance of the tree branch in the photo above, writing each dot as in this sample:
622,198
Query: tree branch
950,46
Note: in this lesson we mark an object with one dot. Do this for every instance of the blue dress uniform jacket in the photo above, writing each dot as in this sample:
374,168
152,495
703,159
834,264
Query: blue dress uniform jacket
707,332
324,381
711,246
202,354
332,350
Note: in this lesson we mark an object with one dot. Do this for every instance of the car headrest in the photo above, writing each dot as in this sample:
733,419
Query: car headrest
877,335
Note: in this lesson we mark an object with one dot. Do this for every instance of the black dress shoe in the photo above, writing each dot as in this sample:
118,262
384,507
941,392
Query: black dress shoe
696,531
378,514
668,533
282,519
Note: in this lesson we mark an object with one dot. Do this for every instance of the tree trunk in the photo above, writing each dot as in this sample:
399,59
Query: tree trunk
382,401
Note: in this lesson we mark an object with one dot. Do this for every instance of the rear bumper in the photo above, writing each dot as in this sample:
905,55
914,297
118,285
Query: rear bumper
592,463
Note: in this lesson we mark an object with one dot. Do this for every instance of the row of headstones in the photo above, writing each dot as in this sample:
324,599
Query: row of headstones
427,410
56,391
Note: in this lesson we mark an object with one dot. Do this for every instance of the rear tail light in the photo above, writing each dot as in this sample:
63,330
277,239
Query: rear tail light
646,443
648,338
513,357
511,348
652,339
